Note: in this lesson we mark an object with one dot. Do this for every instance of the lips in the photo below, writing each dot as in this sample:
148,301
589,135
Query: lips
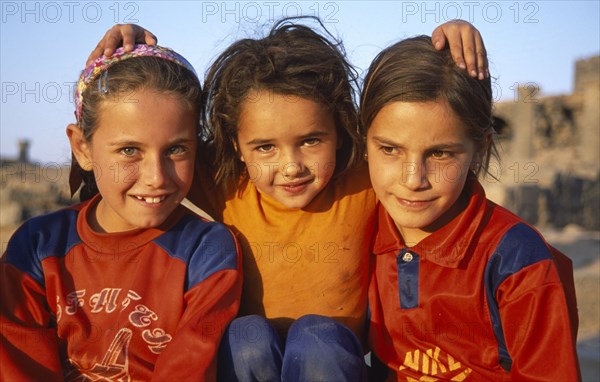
296,187
414,203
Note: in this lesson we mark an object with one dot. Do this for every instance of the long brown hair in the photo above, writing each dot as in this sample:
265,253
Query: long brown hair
412,70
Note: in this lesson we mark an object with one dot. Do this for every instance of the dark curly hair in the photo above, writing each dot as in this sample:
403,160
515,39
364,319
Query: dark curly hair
295,60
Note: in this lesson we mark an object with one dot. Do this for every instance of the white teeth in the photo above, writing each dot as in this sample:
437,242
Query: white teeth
151,200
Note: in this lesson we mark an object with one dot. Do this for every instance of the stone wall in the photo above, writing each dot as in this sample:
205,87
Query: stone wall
31,189
551,153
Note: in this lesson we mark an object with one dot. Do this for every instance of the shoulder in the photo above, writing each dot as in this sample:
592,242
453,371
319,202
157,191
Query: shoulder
41,237
518,248
51,230
192,235
507,231
523,242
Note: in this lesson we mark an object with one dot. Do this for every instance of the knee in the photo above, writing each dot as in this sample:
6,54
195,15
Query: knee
251,337
315,328
250,350
321,349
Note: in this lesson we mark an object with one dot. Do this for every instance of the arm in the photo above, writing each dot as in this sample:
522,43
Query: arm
533,310
537,326
564,266
212,302
29,348
466,46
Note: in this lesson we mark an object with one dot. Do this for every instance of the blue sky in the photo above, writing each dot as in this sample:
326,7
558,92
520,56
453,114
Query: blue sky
44,45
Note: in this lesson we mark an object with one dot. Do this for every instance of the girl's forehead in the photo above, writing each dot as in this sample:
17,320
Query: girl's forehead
418,123
266,111
142,111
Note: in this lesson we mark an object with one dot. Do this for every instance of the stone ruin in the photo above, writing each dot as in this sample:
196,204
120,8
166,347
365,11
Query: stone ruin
550,153
29,189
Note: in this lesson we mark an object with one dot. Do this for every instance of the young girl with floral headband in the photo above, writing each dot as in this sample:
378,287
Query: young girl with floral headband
128,285
462,289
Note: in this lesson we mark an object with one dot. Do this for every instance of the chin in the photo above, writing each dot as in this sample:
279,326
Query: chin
293,205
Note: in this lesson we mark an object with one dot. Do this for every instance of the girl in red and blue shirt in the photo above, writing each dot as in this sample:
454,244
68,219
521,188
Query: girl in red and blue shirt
461,288
128,285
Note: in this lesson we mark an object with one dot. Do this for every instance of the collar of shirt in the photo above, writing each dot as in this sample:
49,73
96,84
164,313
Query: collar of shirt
449,245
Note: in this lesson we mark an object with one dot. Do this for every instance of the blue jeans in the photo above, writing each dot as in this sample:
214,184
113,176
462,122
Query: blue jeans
317,349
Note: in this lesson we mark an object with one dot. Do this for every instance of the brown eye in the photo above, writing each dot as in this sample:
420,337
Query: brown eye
388,150
265,148
311,141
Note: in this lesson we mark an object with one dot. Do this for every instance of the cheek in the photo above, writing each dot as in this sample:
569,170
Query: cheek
255,171
380,173
184,171
453,172
451,176
118,173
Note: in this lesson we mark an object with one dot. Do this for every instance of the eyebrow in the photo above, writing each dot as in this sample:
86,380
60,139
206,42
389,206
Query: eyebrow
441,146
312,134
385,141
136,143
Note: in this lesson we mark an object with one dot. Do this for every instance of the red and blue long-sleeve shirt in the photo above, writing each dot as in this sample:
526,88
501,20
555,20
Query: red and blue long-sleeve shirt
484,298
140,305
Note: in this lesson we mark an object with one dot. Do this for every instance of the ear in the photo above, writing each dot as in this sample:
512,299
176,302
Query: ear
80,147
237,151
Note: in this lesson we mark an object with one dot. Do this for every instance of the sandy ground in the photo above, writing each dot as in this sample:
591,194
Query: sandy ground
584,249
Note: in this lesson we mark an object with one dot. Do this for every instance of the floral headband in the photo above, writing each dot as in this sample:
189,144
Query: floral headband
99,68
101,65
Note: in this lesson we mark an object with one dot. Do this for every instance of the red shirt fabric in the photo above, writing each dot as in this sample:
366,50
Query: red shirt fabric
139,305
481,299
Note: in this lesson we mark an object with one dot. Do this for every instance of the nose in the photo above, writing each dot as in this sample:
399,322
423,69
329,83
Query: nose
414,174
153,171
292,166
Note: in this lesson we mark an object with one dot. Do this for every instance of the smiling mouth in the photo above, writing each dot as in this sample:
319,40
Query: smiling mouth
151,199
296,187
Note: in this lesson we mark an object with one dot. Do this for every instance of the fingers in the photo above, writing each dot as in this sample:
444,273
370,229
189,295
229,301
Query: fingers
135,34
107,45
456,40
126,35
117,36
97,52
438,38
482,61
466,46
149,37
474,53
468,51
